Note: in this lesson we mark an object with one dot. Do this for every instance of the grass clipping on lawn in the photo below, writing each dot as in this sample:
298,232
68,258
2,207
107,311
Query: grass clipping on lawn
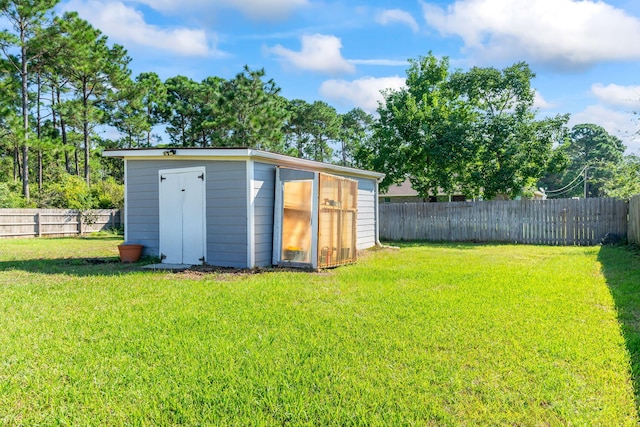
427,335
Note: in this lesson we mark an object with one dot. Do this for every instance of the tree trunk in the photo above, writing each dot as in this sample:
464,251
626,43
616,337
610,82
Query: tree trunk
63,134
39,129
76,159
149,131
25,115
85,131
17,173
53,109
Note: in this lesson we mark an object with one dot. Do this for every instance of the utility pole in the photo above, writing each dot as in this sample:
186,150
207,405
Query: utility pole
586,185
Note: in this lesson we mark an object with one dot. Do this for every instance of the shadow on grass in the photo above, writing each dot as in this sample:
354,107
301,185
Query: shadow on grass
621,268
102,266
448,245
111,266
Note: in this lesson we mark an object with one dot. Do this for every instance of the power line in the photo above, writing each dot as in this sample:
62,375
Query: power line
580,175
567,190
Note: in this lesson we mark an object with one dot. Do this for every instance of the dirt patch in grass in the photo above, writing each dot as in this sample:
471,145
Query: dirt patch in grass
226,273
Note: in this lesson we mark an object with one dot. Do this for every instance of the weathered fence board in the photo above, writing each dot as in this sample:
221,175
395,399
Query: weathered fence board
634,220
55,222
546,222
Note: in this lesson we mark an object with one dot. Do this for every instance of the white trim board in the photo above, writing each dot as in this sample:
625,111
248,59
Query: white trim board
239,154
251,226
126,203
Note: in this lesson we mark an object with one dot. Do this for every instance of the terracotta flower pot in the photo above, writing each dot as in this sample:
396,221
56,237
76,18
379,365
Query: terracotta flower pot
130,252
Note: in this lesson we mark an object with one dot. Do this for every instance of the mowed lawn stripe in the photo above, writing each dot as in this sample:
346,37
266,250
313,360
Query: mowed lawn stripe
429,334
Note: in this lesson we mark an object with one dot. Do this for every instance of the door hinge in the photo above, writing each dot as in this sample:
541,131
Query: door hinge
162,178
162,256
201,176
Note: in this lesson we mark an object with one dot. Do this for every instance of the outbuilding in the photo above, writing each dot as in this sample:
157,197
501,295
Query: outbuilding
246,208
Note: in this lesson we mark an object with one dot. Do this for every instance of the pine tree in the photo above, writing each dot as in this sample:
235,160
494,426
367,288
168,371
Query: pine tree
27,19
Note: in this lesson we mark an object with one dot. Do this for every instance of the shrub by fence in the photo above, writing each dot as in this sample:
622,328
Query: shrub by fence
633,233
546,222
56,222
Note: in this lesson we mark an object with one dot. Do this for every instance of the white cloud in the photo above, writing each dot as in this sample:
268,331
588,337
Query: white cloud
127,26
540,102
254,9
392,16
320,53
616,95
561,33
624,125
364,93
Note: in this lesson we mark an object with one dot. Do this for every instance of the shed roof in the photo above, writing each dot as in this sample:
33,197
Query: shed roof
170,154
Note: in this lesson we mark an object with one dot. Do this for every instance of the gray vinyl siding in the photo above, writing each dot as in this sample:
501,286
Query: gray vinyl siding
142,205
366,222
226,207
264,176
227,213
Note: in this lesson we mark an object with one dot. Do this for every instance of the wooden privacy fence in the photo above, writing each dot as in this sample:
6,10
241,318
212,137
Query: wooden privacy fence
55,222
634,220
544,222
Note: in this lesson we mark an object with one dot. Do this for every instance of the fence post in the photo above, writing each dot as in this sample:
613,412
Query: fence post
39,224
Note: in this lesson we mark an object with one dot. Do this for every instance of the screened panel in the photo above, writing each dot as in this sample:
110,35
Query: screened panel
336,220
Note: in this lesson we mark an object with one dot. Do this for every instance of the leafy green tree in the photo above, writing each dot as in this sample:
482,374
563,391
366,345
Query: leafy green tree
590,146
324,128
625,181
68,191
107,194
96,72
42,82
297,127
424,131
127,113
254,112
154,99
472,131
181,111
10,119
355,132
511,148
27,18
10,198
210,127
108,166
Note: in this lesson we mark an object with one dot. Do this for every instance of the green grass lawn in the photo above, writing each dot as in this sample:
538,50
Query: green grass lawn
432,334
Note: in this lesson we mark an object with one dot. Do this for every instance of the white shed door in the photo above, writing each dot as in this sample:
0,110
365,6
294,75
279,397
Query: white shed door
182,216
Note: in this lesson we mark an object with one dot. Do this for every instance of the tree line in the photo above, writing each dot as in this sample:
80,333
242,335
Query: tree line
472,131
476,132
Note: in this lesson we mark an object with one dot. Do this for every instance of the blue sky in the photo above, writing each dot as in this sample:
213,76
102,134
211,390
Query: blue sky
586,54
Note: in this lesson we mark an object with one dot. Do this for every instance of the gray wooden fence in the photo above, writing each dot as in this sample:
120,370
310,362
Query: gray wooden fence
633,233
545,222
55,222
